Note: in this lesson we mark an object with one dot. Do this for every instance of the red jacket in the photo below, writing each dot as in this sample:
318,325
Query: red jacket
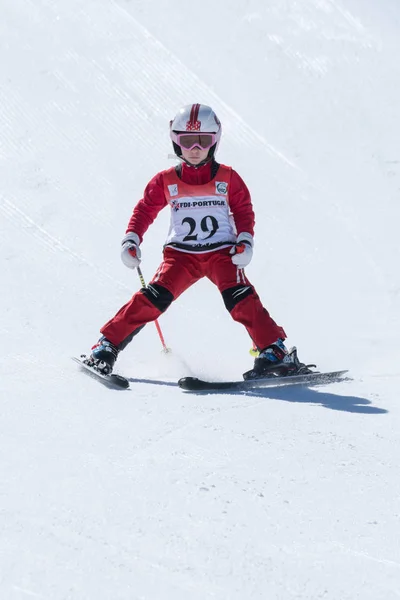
154,200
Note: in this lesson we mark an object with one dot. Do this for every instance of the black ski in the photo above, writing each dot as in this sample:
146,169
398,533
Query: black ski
112,381
192,384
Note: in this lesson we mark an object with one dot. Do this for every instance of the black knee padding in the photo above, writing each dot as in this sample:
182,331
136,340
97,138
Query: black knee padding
235,294
158,295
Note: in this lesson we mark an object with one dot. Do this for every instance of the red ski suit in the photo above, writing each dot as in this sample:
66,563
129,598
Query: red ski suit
183,266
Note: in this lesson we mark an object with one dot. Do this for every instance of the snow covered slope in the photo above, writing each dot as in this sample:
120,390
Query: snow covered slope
152,493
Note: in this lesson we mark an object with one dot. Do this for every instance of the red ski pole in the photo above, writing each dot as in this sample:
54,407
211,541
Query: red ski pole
157,324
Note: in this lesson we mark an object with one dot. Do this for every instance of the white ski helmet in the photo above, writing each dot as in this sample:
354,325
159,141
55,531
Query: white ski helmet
190,123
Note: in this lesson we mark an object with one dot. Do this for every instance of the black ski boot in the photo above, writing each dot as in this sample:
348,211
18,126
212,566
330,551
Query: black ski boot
277,361
103,356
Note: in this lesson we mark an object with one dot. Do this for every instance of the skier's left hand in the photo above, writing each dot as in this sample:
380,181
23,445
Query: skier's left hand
243,250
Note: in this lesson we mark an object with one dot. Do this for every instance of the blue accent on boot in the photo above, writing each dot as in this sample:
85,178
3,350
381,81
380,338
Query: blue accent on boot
274,353
105,351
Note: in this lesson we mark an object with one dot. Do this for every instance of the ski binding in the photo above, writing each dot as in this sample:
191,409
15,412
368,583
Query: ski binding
111,380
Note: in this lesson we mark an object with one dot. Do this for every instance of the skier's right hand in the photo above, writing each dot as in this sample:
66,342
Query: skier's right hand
130,252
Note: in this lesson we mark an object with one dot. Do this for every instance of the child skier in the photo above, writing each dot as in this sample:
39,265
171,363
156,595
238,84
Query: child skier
210,235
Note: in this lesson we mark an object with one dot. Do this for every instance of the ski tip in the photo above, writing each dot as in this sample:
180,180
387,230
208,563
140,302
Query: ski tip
183,382
190,383
119,381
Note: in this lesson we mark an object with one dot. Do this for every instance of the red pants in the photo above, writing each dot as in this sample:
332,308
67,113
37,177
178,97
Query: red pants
177,272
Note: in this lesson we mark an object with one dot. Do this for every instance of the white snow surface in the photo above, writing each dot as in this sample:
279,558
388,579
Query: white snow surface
154,494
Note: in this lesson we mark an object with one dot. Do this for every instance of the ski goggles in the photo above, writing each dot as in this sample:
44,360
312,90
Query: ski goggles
193,140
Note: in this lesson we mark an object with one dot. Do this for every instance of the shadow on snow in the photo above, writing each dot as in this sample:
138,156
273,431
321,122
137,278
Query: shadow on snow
293,393
309,395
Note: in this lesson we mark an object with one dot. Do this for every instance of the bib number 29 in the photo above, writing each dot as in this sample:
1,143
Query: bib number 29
208,224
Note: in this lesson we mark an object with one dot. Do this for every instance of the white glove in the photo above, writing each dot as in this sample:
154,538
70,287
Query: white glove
243,250
130,253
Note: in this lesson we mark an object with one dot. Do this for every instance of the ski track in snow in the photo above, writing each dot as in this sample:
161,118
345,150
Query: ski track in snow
188,80
22,221
27,592
367,556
